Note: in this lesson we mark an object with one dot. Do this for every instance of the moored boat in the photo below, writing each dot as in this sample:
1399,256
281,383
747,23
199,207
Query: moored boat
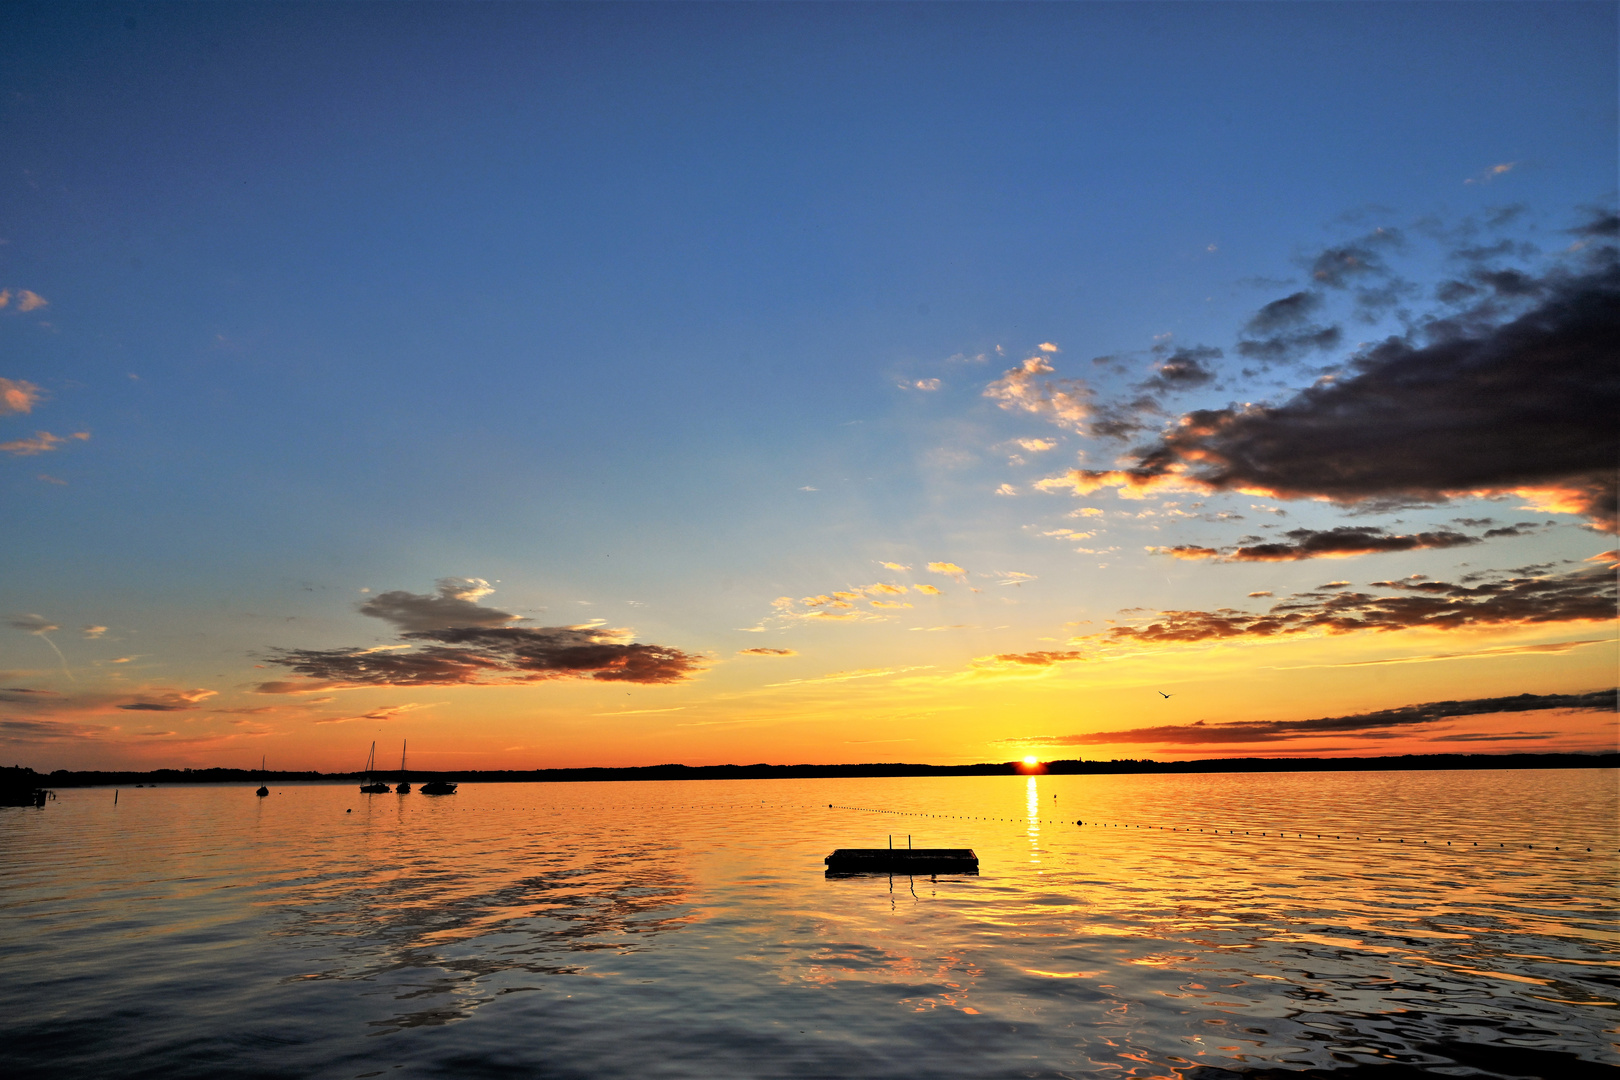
439,787
404,787
373,786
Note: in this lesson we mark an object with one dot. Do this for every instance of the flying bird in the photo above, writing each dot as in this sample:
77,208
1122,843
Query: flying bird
1164,695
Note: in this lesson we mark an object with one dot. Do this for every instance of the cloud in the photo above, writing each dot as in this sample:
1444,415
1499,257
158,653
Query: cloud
889,604
1006,489
468,655
1476,654
1253,731
1586,595
47,731
1065,402
894,566
92,632
1036,446
170,701
949,569
1013,577
26,301
929,590
1491,405
18,396
1048,347
1039,658
1184,369
1491,173
33,624
387,712
883,589
767,652
454,604
848,676
926,384
1336,543
43,442
451,641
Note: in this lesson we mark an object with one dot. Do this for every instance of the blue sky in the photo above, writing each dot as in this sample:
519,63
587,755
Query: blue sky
580,300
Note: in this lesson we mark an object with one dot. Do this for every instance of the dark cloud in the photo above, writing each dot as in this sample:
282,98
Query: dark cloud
1121,420
169,701
1585,595
1526,406
1346,265
767,652
1285,314
1291,346
1184,369
1329,543
1361,725
454,604
451,641
463,655
1602,223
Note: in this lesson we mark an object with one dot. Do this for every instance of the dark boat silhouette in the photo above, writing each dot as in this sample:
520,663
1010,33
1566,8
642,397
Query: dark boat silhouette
439,787
404,787
373,786
263,791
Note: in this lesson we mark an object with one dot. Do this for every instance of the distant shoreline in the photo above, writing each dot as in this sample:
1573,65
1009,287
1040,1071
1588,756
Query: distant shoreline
66,778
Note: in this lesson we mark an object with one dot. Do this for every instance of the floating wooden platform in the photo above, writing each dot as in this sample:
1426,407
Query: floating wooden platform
913,861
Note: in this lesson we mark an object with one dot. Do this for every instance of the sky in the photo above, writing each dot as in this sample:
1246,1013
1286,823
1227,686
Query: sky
555,385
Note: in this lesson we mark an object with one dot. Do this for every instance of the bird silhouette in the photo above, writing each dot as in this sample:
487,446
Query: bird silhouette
1164,695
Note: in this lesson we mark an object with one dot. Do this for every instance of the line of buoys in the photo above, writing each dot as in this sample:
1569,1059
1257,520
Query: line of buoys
1161,828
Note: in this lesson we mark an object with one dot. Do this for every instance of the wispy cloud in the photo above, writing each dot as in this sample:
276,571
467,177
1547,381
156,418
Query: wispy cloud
767,652
43,442
379,715
949,569
1341,542
1358,725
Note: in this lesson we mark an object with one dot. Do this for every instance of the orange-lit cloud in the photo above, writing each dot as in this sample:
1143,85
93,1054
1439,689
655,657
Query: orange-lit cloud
767,652
1065,402
18,396
43,442
949,569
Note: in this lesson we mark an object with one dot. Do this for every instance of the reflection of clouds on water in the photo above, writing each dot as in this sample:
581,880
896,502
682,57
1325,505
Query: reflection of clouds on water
440,929
533,927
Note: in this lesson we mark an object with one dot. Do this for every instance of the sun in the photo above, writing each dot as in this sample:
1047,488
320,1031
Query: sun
1031,759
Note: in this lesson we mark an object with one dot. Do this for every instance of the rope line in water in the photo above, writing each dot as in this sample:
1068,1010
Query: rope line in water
1165,828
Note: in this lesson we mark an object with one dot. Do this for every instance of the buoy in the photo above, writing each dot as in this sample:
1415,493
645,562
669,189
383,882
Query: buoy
348,811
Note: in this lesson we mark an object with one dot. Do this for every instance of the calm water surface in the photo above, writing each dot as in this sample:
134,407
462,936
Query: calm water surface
1194,926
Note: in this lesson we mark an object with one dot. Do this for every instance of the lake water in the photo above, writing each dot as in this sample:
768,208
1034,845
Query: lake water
1194,926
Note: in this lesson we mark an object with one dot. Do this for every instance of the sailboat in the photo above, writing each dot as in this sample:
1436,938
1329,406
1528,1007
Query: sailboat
404,787
373,786
263,791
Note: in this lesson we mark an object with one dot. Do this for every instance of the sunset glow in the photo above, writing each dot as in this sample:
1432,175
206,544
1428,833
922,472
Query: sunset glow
573,385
